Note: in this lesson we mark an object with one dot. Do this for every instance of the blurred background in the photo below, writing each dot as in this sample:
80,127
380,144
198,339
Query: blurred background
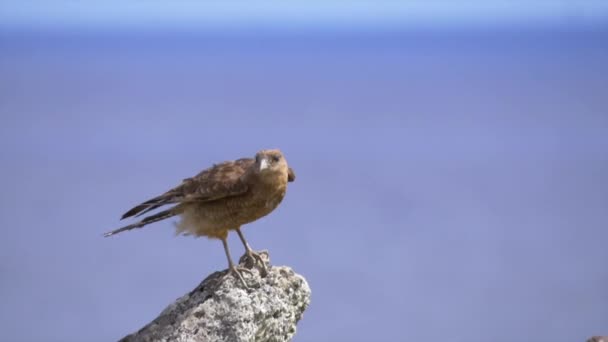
452,161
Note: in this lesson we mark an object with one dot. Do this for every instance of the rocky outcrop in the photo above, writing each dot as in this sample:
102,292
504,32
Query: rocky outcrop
221,309
598,339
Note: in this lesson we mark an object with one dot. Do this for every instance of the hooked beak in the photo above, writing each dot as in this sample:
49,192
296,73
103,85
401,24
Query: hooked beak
264,164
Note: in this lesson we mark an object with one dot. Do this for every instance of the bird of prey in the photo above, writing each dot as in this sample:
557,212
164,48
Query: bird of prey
222,198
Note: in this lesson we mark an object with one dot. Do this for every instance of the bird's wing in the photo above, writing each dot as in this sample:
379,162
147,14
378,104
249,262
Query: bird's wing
219,181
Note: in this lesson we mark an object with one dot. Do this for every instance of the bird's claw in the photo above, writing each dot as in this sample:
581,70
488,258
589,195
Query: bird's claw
236,271
251,258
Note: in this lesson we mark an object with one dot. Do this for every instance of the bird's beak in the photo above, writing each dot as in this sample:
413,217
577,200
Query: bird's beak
263,164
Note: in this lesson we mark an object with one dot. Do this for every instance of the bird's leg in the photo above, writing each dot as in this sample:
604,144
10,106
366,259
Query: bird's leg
231,267
251,254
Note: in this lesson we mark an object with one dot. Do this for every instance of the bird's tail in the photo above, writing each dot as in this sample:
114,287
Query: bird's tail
147,220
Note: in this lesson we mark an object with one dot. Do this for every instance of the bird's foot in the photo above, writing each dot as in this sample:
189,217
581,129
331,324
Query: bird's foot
236,271
251,258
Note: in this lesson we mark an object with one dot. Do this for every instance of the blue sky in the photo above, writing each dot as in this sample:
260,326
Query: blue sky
448,185
298,14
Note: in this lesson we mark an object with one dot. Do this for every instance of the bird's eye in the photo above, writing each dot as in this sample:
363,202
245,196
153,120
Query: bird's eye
276,158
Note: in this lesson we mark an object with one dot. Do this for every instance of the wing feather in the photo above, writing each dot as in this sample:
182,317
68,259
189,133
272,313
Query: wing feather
219,181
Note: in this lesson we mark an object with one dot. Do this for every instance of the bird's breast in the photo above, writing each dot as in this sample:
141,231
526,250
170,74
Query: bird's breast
215,218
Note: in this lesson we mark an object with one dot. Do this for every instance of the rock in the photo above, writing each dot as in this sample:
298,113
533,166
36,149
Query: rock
598,339
221,309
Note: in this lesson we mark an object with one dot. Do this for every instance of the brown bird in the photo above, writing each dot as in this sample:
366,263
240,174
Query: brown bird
222,198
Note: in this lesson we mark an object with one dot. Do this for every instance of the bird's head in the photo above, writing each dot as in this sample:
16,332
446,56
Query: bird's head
271,163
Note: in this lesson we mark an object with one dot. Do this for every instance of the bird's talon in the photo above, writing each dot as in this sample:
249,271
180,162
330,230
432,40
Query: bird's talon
236,271
252,258
244,269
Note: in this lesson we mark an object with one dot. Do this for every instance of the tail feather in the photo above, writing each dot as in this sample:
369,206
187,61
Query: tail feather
147,220
148,209
153,203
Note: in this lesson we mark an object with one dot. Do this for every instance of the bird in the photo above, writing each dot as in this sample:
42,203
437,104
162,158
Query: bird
222,198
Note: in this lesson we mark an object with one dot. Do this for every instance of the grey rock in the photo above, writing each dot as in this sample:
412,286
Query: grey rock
598,339
221,309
